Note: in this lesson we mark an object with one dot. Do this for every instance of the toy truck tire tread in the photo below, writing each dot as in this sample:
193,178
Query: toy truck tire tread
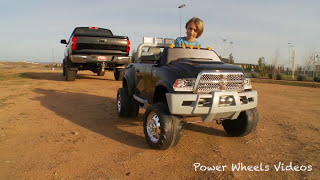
128,106
170,127
243,125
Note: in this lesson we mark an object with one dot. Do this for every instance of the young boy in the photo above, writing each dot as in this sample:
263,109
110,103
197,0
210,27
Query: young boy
194,29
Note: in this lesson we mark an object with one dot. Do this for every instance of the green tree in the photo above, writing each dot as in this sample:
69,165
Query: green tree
133,56
231,60
262,66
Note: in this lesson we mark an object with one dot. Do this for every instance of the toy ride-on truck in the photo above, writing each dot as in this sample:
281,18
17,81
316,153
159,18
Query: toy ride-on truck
95,49
178,82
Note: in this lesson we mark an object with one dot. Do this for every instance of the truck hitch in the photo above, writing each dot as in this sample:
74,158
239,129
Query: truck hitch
103,66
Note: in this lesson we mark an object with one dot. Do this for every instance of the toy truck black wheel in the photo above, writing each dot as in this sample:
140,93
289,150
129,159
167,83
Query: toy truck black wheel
161,129
126,105
118,74
243,125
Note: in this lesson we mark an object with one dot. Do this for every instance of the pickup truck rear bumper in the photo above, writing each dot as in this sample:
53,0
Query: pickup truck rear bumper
208,106
99,59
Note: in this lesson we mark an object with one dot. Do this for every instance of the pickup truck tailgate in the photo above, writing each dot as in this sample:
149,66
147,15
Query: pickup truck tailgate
107,45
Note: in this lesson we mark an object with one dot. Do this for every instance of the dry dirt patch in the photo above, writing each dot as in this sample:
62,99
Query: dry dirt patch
50,128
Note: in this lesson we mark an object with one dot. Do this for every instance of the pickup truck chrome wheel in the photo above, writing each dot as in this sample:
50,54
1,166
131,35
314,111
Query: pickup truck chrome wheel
153,127
161,129
119,102
122,102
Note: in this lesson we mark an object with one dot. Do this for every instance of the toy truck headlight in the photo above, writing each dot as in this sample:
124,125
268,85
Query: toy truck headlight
148,40
186,84
157,40
226,100
247,83
153,40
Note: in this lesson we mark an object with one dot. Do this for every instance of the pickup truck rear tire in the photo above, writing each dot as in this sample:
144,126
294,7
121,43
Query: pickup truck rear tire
243,125
101,73
162,130
126,105
70,74
118,74
64,68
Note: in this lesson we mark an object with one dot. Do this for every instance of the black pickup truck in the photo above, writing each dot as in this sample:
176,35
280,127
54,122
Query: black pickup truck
95,49
178,82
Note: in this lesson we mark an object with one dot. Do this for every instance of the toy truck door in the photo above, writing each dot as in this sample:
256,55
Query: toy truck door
143,75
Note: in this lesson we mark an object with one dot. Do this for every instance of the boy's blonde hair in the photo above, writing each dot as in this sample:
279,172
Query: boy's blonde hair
199,24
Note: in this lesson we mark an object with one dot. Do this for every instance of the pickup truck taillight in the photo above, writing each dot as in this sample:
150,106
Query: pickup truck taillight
128,46
74,43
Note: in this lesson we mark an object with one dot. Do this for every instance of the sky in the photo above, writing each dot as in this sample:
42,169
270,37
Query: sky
31,30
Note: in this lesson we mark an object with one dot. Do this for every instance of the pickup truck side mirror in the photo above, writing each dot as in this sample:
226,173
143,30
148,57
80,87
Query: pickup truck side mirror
63,41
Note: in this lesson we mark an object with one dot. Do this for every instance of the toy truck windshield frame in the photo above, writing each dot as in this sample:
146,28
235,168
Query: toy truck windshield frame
175,53
195,54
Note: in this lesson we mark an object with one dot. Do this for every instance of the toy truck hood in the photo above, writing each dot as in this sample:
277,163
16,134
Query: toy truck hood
191,68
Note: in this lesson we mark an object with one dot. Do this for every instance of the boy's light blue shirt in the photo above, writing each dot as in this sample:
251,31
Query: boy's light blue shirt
182,41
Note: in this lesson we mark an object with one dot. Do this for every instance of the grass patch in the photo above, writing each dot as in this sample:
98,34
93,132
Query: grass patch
4,77
283,76
4,100
27,76
9,76
290,83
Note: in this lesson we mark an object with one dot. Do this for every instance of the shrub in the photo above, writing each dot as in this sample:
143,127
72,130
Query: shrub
270,76
279,76
316,79
254,75
301,78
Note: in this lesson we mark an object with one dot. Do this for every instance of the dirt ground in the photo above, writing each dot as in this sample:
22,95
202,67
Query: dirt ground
53,129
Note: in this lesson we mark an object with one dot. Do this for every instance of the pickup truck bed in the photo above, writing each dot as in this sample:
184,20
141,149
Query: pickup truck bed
95,49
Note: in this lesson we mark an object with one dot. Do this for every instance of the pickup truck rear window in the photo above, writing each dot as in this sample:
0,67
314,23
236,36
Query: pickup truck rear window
93,32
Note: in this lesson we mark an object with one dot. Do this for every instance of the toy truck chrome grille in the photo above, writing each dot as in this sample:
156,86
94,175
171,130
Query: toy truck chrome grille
219,81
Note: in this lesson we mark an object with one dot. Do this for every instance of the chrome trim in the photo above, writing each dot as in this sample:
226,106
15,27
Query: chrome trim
223,81
140,99
119,103
153,127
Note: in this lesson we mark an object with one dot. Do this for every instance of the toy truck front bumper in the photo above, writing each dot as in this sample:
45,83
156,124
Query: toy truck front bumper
208,106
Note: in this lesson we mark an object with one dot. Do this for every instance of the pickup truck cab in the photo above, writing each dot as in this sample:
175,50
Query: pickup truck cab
178,82
95,49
